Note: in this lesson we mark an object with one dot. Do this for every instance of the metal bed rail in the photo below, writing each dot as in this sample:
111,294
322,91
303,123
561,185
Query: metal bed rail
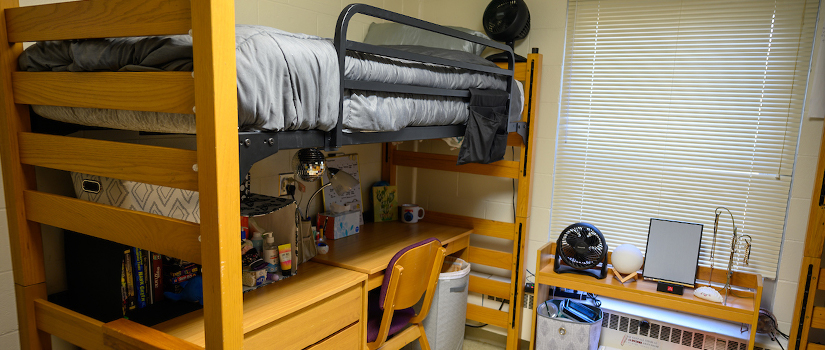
334,138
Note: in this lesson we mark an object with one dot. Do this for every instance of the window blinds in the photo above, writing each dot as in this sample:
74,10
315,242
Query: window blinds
670,109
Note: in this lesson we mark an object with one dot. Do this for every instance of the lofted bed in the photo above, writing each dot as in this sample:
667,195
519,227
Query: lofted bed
210,95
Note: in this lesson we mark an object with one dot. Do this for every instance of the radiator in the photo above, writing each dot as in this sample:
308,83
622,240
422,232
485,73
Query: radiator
630,326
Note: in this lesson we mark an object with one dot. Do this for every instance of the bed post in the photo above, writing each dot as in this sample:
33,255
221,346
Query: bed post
213,35
25,240
388,168
525,182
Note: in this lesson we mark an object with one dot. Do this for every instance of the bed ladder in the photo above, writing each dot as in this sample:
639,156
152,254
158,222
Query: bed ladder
530,74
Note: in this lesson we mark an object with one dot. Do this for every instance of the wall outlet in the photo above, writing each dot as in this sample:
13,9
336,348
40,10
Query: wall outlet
527,302
284,180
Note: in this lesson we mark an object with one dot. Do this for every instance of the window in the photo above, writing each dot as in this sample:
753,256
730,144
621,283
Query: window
670,109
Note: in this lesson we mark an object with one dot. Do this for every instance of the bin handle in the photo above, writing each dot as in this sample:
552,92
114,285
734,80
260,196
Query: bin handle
459,289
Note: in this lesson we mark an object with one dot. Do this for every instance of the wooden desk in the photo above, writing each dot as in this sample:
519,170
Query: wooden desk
370,250
325,301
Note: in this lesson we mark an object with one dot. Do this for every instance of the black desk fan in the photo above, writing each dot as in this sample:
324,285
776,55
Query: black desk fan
507,21
582,247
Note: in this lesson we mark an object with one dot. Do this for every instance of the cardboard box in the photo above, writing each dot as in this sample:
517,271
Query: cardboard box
339,225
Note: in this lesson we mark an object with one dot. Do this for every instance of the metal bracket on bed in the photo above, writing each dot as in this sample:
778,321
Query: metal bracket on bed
255,146
520,128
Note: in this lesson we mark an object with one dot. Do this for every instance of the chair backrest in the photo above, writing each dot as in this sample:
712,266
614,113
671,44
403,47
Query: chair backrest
418,264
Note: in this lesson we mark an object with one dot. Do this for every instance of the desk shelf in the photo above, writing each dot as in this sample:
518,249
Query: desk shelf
743,309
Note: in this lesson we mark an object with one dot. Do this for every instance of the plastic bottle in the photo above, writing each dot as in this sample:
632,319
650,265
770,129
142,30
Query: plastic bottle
244,227
258,242
270,255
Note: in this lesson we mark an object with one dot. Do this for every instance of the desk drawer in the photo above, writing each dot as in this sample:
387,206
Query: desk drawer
347,339
310,325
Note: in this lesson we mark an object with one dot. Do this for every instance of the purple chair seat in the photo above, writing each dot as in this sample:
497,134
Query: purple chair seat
400,319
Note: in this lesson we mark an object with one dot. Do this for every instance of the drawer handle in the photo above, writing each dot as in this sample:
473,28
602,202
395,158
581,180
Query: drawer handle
91,186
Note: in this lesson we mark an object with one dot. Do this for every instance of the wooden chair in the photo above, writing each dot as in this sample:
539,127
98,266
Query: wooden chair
411,273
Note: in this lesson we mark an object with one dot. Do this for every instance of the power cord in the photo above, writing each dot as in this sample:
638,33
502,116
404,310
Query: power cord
531,275
595,298
766,324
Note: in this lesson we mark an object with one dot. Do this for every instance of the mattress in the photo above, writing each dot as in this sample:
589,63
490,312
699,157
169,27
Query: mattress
286,81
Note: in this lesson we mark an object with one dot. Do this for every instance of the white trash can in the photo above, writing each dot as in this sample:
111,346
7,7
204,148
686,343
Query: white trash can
444,324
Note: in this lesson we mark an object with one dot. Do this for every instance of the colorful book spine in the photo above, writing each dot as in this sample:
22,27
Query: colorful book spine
157,277
140,277
124,292
187,270
180,279
130,279
147,276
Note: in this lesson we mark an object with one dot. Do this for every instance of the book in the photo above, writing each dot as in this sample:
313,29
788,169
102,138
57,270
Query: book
130,279
140,277
183,271
124,293
157,277
147,276
179,279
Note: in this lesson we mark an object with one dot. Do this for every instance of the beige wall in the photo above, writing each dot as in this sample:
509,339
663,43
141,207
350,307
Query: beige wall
796,221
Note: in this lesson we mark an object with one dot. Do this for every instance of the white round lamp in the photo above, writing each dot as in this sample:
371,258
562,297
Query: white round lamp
627,259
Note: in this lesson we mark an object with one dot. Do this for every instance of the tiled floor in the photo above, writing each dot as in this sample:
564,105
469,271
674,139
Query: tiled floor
477,345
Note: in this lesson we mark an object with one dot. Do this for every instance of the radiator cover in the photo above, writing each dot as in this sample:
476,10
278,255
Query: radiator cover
624,328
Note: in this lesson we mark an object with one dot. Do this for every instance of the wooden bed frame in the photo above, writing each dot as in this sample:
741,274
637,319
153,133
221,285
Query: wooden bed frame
212,170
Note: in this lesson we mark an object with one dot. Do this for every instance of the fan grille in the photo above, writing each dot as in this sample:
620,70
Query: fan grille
582,246
506,20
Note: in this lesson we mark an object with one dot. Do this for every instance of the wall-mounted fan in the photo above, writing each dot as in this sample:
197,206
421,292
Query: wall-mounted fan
507,21
581,247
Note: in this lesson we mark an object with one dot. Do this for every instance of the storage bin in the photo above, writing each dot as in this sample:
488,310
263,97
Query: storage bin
172,202
554,333
444,324
160,200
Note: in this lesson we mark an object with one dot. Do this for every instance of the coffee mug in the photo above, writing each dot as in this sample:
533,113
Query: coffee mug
410,213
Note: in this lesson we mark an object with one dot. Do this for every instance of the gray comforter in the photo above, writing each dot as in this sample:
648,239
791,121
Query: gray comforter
286,81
